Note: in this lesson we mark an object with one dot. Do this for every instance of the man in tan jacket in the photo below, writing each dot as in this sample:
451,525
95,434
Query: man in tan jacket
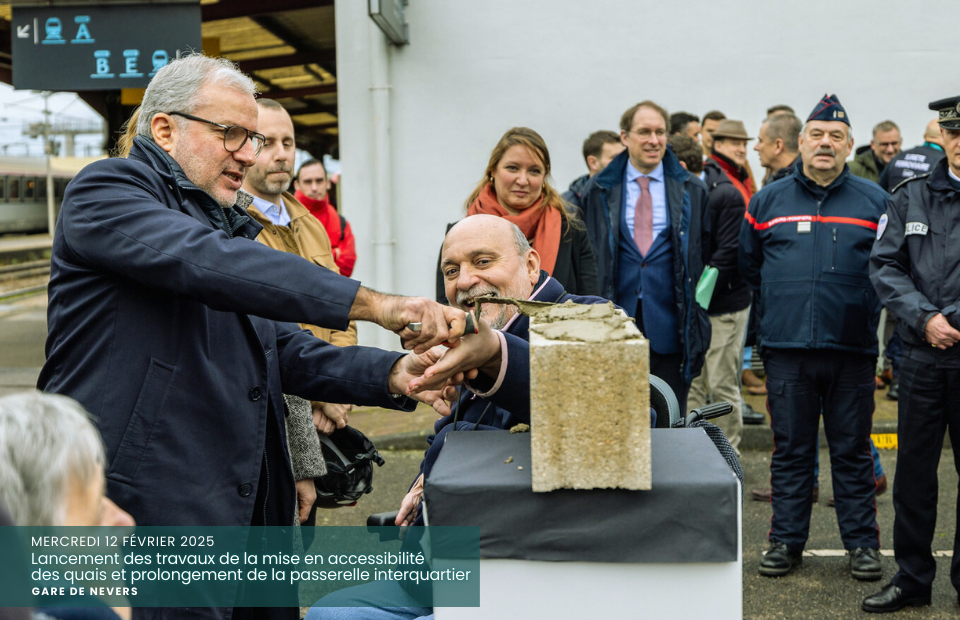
288,226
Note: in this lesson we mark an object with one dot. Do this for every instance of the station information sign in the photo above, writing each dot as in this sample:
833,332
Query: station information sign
103,47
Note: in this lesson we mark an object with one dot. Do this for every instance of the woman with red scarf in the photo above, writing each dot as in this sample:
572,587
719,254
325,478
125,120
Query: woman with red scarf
515,187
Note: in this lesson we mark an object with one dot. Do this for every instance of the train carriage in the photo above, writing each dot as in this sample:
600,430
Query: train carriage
23,190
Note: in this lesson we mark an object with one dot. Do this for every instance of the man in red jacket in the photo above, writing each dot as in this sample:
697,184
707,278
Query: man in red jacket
312,185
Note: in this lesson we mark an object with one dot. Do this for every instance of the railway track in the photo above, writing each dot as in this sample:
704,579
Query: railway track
24,278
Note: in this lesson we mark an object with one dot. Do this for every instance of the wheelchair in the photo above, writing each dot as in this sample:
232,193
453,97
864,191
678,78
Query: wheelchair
665,405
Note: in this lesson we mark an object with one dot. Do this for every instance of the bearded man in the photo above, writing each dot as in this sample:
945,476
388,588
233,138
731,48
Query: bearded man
485,255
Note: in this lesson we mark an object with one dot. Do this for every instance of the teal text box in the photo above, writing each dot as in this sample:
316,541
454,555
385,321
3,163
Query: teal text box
238,567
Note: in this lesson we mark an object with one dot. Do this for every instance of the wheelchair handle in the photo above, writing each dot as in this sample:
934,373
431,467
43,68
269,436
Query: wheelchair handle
709,412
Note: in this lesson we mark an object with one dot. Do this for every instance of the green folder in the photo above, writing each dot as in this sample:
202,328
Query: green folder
708,281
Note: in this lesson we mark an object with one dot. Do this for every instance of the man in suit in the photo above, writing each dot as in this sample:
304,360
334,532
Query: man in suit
645,218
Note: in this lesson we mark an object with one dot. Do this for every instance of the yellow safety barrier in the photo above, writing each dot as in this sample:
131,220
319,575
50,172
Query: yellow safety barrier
885,441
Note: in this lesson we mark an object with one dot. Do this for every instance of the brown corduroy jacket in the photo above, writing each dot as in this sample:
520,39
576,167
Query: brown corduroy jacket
306,237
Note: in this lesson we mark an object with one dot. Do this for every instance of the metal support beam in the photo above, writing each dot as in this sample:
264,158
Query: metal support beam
249,8
107,104
288,60
311,107
274,27
295,93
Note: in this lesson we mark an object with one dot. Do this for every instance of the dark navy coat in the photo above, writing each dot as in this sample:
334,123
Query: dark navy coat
915,265
164,327
687,202
910,163
807,248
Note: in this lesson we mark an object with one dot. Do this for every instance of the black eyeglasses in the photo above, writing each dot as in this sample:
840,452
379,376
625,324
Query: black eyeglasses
234,136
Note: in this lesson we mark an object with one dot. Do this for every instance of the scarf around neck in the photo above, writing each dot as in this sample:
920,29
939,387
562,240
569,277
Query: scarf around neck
541,226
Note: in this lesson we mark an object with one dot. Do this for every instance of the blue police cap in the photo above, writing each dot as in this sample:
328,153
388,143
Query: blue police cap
829,109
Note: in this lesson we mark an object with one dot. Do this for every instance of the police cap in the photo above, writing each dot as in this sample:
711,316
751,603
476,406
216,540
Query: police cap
949,111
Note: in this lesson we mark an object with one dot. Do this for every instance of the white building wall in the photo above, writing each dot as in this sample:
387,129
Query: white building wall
473,69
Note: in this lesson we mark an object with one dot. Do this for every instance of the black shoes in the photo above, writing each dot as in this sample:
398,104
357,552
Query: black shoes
894,392
779,560
750,416
892,598
865,564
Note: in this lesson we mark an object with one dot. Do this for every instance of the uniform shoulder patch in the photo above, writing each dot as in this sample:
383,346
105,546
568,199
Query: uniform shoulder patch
915,228
908,180
881,226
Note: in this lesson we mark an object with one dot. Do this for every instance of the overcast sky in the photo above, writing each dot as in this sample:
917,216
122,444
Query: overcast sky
19,108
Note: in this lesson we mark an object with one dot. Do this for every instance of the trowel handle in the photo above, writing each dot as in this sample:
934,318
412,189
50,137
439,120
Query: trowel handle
471,327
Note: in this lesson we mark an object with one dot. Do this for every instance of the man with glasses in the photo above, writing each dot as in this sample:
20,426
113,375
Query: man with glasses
175,328
871,160
645,214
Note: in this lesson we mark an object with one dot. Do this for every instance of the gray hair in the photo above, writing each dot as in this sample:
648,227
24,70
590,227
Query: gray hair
176,87
46,441
520,240
786,127
885,126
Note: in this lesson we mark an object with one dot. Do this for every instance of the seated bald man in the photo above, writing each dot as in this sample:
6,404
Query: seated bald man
482,255
487,255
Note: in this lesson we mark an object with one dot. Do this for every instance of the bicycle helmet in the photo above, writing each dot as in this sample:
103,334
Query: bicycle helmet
349,457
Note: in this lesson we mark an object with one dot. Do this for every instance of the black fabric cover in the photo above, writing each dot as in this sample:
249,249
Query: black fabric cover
690,515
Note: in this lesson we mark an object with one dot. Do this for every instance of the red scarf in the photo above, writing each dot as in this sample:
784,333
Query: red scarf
540,225
737,175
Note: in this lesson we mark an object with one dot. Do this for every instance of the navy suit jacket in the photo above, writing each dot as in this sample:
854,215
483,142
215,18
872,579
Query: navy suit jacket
687,203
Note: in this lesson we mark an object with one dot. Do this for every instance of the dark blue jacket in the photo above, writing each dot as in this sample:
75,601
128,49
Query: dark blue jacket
574,193
510,404
915,266
164,327
687,203
910,163
807,249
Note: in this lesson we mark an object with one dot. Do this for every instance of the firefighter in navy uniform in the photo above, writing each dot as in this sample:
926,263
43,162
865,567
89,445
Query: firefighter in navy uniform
805,244
915,267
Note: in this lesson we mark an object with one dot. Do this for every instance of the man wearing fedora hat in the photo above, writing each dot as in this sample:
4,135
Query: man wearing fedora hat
729,307
805,245
916,270
729,151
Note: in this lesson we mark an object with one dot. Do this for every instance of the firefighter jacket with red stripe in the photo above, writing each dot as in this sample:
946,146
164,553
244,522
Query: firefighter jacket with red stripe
806,249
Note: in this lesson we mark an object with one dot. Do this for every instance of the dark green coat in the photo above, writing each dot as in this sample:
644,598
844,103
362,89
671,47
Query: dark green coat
865,165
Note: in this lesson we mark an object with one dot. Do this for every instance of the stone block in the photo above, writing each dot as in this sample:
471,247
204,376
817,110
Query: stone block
590,399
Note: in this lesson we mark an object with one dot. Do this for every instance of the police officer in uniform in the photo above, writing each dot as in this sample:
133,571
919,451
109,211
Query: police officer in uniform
805,244
918,160
915,267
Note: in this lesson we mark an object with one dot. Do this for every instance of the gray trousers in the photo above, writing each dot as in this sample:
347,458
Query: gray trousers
720,378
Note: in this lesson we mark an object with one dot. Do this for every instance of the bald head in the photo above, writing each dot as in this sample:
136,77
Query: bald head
932,132
487,255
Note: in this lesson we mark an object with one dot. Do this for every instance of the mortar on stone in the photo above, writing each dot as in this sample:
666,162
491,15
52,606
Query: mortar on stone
572,321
